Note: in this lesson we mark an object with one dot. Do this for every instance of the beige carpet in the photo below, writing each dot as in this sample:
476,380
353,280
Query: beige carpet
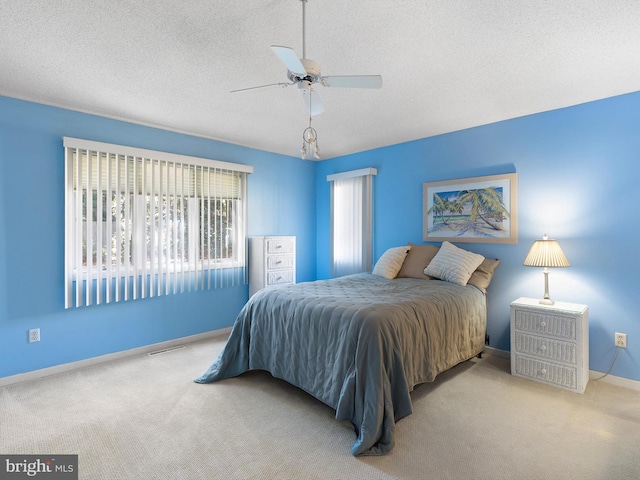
143,418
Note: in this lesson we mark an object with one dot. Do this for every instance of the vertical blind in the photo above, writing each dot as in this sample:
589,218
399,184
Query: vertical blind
141,223
351,221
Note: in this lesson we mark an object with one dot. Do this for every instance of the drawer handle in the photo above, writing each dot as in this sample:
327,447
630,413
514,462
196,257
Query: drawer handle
278,262
543,324
543,348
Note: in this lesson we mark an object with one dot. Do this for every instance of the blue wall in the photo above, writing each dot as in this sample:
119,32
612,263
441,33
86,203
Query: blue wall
578,171
32,239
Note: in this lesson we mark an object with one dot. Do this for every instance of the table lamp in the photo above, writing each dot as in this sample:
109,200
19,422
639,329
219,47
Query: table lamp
548,254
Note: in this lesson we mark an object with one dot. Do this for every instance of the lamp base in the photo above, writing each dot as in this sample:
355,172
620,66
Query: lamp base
546,300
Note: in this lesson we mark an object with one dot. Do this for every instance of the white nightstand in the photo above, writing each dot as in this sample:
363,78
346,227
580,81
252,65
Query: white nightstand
550,343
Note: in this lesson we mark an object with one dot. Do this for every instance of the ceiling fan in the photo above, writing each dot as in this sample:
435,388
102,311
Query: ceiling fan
305,74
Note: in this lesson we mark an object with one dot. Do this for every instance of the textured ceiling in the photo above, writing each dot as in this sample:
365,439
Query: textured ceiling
446,65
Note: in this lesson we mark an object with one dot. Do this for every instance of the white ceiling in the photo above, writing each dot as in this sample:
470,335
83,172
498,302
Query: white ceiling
446,64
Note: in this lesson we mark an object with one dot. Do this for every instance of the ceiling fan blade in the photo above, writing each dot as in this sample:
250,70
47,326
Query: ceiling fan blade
289,57
262,86
352,81
312,100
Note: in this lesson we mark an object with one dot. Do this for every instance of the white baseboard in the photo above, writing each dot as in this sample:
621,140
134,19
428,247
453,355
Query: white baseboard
617,381
497,352
610,379
45,372
65,367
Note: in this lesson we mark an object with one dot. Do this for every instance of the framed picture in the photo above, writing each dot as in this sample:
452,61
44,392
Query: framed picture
474,210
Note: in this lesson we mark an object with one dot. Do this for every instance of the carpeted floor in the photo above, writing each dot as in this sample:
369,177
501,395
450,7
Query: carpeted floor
143,418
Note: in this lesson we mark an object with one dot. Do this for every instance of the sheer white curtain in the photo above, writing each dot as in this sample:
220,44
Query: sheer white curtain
351,221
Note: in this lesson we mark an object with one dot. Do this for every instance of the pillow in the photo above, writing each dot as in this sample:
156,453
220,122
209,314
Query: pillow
417,260
453,264
481,278
389,264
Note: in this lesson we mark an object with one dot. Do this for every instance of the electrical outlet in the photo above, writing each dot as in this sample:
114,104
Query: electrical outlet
621,340
34,335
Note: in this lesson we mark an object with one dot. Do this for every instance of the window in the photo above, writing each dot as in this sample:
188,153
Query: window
351,221
140,223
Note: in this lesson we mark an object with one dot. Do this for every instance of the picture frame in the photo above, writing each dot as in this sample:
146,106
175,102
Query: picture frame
471,210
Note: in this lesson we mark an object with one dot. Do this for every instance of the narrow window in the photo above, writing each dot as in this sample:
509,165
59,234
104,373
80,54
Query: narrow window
140,223
351,221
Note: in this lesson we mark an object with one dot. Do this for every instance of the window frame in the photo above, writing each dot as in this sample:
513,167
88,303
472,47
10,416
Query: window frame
104,280
352,245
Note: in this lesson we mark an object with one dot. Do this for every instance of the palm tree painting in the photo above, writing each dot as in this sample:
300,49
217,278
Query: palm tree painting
480,209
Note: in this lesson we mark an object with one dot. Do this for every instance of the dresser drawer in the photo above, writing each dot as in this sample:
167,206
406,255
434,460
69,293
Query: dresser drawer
281,245
280,261
545,324
536,369
278,277
545,348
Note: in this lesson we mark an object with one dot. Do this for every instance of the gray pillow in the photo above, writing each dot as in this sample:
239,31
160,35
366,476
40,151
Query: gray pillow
417,260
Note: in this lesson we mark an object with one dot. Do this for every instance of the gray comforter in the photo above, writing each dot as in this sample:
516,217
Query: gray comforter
359,343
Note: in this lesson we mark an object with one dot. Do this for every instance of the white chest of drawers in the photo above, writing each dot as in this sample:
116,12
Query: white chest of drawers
550,343
272,261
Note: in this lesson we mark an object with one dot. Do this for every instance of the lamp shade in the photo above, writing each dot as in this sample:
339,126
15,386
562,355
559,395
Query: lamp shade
546,253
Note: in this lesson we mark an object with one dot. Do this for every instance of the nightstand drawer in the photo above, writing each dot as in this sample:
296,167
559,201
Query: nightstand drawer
280,261
278,277
546,324
559,375
546,348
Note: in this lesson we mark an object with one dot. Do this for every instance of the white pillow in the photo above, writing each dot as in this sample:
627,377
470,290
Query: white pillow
453,264
390,263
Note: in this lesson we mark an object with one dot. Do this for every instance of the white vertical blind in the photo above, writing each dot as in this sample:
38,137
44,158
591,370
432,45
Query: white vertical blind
140,223
351,221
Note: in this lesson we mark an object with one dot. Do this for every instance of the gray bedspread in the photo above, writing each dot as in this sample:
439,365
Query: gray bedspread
359,343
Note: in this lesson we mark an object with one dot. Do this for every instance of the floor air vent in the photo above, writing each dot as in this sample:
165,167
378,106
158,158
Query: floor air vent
165,350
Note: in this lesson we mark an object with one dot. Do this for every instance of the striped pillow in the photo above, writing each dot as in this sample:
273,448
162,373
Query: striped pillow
453,264
389,264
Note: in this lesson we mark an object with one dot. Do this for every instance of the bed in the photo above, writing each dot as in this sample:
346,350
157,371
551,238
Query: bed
358,343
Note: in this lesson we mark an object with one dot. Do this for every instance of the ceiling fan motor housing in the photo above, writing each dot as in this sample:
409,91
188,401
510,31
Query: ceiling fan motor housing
312,69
